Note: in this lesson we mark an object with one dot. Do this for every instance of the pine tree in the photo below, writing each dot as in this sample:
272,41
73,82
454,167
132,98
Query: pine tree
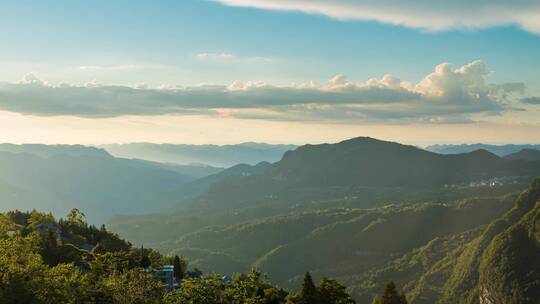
178,269
145,260
50,251
309,291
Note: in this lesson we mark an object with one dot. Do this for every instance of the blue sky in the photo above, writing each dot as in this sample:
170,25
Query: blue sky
190,42
312,46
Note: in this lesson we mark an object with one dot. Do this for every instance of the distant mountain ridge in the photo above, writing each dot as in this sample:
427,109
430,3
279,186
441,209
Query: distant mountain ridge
500,150
363,163
525,154
46,151
370,162
213,155
60,177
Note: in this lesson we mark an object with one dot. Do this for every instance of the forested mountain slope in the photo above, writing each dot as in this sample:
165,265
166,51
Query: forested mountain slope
498,262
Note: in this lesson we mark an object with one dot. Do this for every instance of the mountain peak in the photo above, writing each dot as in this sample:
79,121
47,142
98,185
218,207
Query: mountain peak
483,153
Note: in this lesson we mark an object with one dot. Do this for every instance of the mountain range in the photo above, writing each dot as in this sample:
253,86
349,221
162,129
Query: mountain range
363,210
364,166
213,155
500,150
58,178
448,228
453,252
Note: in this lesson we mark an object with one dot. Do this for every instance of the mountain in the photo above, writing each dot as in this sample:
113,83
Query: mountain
525,154
194,171
510,265
329,241
497,263
213,155
370,162
500,150
58,178
356,173
362,165
363,210
326,240
52,150
450,252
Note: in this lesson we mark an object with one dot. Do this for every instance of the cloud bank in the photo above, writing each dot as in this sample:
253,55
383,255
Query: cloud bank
447,95
425,14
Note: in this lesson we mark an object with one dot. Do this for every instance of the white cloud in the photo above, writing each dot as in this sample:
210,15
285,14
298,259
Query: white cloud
227,57
31,78
109,67
215,56
424,14
446,95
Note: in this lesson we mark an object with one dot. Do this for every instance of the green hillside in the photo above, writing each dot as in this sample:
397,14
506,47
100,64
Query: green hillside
498,262
335,241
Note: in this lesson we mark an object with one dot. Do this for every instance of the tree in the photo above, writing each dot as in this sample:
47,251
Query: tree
248,288
49,249
391,296
145,262
133,287
21,269
309,291
76,217
331,292
98,249
206,290
179,268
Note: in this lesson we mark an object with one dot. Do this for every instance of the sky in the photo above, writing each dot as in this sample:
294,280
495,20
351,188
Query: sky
277,71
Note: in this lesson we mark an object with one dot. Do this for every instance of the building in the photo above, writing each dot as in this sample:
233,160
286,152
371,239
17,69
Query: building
166,276
226,279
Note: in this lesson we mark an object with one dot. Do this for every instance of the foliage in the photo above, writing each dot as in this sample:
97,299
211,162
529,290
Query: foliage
180,268
40,266
498,262
328,292
391,296
133,286
207,290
